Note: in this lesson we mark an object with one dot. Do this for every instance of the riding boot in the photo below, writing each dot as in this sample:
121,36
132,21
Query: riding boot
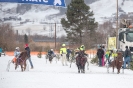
17,60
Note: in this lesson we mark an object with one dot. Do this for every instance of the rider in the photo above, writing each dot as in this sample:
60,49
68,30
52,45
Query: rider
16,54
68,53
112,55
51,52
82,48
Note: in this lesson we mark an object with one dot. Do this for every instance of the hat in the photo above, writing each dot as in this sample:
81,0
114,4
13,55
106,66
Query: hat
126,47
26,45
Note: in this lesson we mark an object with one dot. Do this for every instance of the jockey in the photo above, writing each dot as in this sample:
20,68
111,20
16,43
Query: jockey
82,48
68,53
63,52
113,55
51,52
107,55
16,54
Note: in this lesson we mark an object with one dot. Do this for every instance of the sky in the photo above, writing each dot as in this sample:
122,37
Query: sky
54,75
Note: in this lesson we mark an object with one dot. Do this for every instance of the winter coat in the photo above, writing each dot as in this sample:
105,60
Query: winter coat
100,53
28,51
68,51
16,53
127,53
63,50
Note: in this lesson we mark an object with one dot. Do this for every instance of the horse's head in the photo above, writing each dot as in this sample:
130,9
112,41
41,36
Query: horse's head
81,54
23,55
119,56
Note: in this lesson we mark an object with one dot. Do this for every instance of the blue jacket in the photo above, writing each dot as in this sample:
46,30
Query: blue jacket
68,51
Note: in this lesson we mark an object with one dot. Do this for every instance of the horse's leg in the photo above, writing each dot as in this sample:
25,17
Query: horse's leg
24,66
16,65
8,66
78,68
21,67
83,68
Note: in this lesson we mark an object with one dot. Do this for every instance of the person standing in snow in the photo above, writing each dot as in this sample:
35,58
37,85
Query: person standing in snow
63,52
100,54
29,56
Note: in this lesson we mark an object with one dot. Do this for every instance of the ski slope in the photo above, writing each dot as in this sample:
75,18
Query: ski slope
46,75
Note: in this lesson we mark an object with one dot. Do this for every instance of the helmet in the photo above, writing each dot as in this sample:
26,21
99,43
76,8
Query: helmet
17,48
63,45
114,50
126,47
51,49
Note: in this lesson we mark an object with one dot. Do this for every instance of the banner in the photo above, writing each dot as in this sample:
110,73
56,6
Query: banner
111,43
46,2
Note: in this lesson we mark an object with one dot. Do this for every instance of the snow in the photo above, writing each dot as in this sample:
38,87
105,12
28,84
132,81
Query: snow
39,15
46,75
105,8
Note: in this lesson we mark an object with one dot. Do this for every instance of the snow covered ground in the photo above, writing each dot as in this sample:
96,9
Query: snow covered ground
46,75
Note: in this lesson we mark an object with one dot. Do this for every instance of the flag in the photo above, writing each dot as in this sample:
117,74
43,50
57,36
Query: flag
45,2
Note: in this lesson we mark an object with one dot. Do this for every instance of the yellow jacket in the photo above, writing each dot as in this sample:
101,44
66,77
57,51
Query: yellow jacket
63,51
114,55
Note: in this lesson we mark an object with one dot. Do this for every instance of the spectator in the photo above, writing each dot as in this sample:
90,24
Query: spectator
29,56
127,55
100,54
63,52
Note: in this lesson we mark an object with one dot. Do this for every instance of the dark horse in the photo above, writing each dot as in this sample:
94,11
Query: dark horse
50,57
22,61
81,61
117,62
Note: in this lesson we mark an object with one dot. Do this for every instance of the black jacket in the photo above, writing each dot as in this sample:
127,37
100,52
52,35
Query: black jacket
127,53
100,53
28,51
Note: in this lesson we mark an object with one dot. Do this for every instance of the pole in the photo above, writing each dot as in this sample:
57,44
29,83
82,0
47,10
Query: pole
55,36
117,26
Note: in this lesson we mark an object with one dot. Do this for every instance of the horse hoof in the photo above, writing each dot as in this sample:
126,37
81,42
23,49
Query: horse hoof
78,71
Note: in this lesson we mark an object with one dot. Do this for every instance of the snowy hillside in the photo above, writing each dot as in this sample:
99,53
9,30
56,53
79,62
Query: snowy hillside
107,8
39,16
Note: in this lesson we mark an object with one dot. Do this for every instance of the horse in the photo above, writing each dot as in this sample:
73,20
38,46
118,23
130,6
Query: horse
116,62
50,57
22,61
81,61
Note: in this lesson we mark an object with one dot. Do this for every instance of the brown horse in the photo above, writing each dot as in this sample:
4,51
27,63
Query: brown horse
81,61
22,61
117,62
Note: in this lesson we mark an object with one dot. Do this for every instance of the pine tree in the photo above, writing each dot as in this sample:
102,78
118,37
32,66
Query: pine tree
25,39
79,21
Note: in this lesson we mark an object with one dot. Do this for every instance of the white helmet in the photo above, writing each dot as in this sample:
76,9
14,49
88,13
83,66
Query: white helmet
51,49
115,50
17,48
